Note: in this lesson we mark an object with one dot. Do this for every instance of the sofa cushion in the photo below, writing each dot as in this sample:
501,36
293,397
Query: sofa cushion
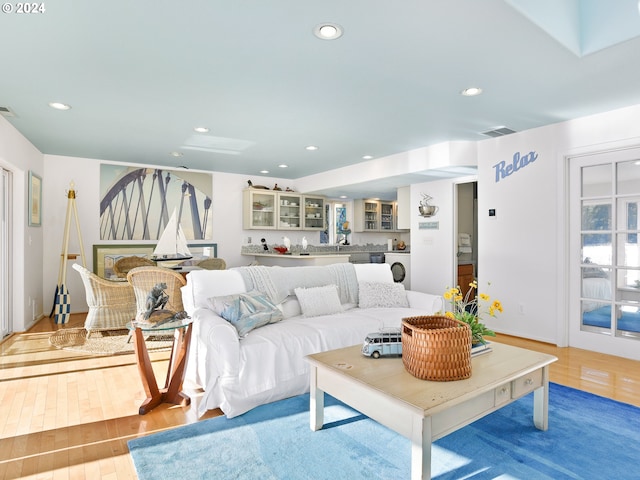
373,272
382,294
290,307
204,284
246,311
315,301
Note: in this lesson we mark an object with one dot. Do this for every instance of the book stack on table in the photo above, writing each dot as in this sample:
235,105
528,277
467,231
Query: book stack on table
480,348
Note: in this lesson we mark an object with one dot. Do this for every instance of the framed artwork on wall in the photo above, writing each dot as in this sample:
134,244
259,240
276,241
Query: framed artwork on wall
136,203
105,256
35,200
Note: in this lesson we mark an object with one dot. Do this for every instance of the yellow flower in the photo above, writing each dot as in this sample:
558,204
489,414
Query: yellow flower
469,308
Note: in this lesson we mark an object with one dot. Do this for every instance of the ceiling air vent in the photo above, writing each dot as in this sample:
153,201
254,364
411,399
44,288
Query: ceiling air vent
6,112
498,132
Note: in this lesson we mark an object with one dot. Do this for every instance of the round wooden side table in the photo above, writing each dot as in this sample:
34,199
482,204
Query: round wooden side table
172,391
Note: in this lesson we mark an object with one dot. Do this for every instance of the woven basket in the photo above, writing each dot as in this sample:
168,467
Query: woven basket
436,348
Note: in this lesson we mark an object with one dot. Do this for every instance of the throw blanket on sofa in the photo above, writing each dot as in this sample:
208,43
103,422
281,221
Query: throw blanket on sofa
279,282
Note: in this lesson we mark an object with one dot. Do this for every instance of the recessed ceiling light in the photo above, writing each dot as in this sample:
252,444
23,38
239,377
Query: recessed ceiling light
282,165
367,157
343,196
311,147
59,106
175,154
471,91
264,171
328,31
201,129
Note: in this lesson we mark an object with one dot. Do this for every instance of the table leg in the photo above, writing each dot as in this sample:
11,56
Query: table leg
154,397
177,368
316,399
541,402
421,448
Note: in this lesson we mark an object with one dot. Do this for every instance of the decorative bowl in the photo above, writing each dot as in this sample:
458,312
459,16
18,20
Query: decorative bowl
280,250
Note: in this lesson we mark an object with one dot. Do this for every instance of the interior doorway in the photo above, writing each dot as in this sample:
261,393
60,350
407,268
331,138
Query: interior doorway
466,234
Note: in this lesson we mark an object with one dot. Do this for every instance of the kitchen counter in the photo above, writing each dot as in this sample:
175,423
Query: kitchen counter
271,259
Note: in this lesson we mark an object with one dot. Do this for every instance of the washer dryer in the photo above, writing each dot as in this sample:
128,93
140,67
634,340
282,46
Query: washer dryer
400,267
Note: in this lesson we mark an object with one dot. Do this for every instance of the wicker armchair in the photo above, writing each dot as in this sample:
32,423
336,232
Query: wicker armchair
143,279
212,264
111,304
122,266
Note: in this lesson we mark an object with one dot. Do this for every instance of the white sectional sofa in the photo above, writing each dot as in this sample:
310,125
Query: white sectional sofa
318,309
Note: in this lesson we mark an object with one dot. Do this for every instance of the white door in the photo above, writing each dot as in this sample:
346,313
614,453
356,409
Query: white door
604,246
5,257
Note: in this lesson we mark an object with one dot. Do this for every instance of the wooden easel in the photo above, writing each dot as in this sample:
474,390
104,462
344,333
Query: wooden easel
62,301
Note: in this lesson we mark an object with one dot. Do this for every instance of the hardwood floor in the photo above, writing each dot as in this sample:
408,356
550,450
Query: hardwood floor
70,416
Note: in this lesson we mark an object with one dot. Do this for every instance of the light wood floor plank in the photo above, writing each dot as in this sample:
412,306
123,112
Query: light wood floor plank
69,416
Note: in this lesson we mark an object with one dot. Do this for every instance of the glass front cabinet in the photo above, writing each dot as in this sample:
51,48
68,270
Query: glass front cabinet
387,216
313,213
289,208
260,208
375,216
280,210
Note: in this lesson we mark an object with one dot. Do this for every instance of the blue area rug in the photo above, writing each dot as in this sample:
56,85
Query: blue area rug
589,437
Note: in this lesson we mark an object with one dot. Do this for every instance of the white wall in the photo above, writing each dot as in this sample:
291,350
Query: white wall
432,250
522,250
19,156
517,249
59,171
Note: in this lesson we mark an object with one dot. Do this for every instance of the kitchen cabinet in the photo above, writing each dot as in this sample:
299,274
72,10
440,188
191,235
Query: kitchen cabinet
313,213
280,210
403,209
387,216
374,216
289,211
366,215
259,209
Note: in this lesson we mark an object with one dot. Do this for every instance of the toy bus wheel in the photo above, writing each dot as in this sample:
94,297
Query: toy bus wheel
375,354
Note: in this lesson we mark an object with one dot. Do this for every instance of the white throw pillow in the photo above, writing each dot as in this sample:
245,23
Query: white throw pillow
382,294
290,307
317,301
373,272
213,283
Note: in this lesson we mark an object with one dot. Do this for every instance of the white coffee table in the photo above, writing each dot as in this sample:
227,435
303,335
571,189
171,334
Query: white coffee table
424,411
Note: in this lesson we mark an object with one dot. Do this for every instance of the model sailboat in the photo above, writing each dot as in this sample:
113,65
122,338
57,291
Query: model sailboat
172,245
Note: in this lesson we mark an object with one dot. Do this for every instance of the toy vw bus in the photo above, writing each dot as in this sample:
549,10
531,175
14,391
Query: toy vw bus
383,343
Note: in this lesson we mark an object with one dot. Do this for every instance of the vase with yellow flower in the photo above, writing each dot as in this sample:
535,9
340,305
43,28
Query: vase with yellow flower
470,309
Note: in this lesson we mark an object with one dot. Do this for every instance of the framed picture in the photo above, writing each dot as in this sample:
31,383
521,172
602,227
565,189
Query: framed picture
35,200
105,256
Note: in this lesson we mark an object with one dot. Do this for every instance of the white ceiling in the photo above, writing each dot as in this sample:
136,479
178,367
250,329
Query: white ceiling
141,75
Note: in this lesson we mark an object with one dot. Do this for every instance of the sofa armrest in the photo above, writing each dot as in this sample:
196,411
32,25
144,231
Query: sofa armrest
218,346
430,303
